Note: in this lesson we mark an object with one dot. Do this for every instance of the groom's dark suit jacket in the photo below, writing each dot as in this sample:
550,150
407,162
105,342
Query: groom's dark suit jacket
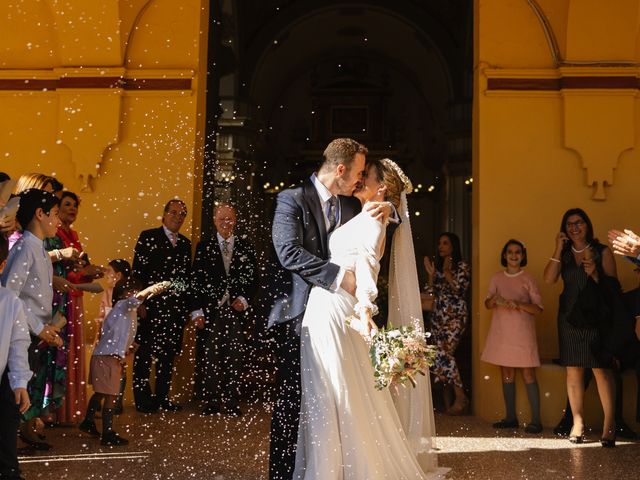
300,241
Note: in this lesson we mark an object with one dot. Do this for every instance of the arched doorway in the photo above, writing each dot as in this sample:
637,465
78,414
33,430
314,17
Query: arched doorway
396,76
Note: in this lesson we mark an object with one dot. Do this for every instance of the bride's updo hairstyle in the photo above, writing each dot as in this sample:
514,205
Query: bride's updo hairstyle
391,175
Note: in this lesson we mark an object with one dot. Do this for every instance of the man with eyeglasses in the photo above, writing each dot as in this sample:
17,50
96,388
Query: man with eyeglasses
161,254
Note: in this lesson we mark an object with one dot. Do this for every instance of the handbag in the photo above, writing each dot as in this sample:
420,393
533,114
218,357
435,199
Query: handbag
590,308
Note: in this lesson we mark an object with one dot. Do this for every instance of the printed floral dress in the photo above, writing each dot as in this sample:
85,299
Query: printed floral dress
448,321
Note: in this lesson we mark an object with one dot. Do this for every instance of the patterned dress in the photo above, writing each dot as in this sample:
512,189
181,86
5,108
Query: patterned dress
448,321
576,343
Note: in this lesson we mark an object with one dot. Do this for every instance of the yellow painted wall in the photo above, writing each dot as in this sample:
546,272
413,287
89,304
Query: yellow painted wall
140,147
525,176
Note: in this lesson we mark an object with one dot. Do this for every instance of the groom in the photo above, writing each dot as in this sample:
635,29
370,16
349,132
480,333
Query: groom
303,219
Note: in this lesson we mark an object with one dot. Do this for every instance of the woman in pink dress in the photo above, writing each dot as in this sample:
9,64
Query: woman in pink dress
73,408
511,343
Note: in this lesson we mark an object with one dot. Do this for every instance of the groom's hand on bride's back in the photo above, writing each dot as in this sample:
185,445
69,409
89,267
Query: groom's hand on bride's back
349,282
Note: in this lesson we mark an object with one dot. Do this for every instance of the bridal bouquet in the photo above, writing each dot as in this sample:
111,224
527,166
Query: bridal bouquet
398,354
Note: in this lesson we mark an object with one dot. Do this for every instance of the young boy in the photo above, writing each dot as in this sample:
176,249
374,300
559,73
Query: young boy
14,368
108,359
28,272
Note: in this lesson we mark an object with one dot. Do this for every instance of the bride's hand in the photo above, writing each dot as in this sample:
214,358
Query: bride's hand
373,328
379,210
370,327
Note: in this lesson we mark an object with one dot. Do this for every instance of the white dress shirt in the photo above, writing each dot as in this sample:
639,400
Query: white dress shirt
170,235
324,194
14,340
29,274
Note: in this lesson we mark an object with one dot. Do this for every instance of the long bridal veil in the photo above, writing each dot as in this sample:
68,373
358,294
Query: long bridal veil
414,405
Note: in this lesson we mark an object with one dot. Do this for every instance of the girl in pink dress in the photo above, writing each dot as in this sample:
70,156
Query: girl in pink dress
511,343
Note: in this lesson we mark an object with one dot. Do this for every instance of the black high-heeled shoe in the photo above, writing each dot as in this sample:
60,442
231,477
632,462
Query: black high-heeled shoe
608,442
576,438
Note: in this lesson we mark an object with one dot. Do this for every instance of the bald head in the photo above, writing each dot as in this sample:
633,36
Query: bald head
224,218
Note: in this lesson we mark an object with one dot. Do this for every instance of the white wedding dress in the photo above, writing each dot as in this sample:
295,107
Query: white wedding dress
348,430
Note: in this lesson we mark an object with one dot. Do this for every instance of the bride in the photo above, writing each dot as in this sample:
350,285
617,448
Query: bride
348,429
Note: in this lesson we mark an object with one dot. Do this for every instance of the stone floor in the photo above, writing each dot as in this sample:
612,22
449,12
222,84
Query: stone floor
185,445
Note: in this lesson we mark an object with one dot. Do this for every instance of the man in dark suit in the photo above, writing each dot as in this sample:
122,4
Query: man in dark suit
161,254
224,282
303,219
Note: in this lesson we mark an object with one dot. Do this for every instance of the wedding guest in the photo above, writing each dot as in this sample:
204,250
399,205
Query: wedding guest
33,180
80,271
511,342
582,262
56,187
161,254
117,270
26,182
46,183
224,283
108,358
48,387
632,300
619,346
15,374
448,280
7,224
28,274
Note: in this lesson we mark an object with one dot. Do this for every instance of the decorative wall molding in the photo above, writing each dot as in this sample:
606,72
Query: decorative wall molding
89,104
563,78
604,96
100,78
547,30
599,147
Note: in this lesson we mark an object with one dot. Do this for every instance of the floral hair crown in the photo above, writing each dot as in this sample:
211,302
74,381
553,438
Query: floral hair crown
408,186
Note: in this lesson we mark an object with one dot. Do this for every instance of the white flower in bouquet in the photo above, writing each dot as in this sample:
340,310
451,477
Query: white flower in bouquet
397,354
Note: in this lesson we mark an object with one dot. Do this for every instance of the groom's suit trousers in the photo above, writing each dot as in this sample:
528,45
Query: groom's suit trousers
286,411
